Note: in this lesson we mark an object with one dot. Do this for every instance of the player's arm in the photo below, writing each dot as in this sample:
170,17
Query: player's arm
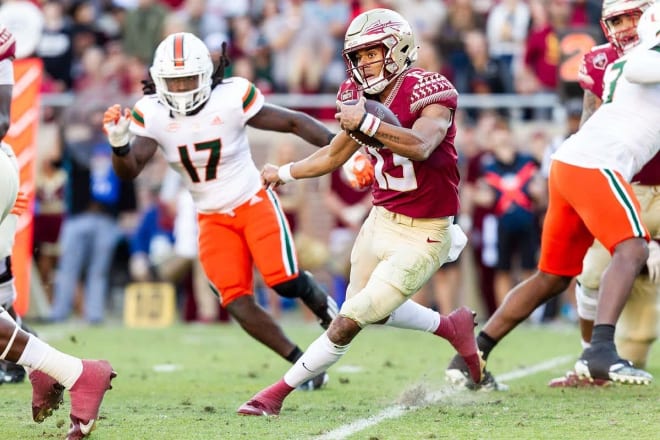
128,156
643,66
416,143
322,161
275,118
590,103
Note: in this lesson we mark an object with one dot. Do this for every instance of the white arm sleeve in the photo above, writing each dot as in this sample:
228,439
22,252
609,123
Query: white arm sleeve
643,67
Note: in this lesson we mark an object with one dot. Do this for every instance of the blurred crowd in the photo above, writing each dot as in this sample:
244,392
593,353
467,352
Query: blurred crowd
99,52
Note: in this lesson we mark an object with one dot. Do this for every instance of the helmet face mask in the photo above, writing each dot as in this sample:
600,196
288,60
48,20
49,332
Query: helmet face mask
182,72
613,20
379,28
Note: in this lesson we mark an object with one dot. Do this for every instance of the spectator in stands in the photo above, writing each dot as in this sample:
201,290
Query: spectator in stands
332,16
510,184
48,215
56,47
296,38
199,20
539,69
143,29
506,29
96,198
461,18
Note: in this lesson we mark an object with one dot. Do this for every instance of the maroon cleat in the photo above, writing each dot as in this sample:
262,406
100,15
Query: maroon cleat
267,402
572,380
464,341
47,395
86,397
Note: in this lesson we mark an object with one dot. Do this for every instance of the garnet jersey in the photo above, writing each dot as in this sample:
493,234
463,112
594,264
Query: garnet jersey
418,189
209,149
592,70
602,142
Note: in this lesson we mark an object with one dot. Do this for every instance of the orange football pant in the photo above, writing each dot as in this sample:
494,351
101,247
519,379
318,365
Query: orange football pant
256,233
585,203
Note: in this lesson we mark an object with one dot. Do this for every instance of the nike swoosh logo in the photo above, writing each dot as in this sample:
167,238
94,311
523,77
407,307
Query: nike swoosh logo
86,428
305,367
430,240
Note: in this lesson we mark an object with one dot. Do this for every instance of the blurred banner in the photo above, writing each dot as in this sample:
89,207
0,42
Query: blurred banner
22,136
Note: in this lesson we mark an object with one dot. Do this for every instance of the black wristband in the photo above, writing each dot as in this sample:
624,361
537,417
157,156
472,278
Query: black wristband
121,151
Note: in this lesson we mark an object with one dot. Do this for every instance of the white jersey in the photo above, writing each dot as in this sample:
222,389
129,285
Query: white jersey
624,133
209,149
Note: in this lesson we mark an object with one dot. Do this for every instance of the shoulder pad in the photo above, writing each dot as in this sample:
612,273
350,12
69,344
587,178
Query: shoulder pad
430,88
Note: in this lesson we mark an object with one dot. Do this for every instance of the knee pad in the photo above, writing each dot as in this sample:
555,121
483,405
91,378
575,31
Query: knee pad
594,264
587,302
373,304
293,288
305,287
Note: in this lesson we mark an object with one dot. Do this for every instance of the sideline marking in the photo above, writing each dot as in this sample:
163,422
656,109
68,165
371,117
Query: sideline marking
398,410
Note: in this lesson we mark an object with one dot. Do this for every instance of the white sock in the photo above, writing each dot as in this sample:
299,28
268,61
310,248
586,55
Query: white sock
318,357
414,316
40,356
585,344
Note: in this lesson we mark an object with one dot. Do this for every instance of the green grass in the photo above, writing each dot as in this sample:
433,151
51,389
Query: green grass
219,367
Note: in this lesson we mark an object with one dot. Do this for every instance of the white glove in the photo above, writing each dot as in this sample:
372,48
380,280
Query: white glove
653,262
115,125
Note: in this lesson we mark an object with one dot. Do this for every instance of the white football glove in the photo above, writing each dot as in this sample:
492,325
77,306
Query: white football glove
653,262
115,125
359,170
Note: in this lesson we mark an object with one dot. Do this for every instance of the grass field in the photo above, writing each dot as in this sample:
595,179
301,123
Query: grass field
185,382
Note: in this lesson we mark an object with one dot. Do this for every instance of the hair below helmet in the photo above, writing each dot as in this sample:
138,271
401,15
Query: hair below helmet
648,28
379,27
623,39
182,55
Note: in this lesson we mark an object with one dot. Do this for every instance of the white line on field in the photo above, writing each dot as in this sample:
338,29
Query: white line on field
398,410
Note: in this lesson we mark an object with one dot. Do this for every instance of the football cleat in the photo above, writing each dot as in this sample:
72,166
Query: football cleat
463,341
457,374
604,363
11,372
572,380
86,397
47,395
262,404
314,383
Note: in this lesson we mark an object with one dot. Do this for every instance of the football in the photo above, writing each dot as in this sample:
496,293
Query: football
381,112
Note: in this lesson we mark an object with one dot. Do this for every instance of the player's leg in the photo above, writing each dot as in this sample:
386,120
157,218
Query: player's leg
564,241
228,266
608,207
54,371
271,244
638,328
322,351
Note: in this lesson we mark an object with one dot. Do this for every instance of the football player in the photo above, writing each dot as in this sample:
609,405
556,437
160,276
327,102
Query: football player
590,197
51,371
637,327
408,234
199,120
